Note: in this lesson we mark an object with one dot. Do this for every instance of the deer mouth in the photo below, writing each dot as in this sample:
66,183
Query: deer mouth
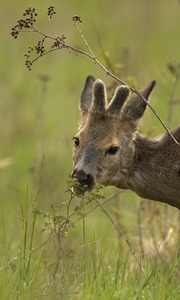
81,189
84,183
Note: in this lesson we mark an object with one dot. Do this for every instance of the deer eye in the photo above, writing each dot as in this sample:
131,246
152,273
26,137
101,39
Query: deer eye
112,150
76,141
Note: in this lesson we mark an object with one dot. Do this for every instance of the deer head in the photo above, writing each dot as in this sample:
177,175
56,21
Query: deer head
104,145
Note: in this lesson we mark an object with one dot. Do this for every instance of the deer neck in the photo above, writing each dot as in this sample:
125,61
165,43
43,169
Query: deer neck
134,173
144,164
154,174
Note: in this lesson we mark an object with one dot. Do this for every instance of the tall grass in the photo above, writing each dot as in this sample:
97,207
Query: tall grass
73,265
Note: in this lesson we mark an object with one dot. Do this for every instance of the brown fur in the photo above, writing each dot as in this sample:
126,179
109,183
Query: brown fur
150,168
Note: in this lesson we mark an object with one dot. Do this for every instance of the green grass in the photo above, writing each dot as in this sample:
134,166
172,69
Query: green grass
37,126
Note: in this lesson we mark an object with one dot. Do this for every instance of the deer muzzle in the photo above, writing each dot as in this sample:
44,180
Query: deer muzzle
84,179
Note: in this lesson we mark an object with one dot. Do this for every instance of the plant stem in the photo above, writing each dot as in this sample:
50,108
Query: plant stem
120,232
84,244
98,63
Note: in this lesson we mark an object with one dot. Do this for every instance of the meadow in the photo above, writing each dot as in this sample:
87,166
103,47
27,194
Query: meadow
128,247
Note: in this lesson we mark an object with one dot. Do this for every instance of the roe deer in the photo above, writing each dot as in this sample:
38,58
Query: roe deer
109,150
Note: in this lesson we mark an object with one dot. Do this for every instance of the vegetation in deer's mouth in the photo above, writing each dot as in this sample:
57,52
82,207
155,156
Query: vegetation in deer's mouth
80,189
77,188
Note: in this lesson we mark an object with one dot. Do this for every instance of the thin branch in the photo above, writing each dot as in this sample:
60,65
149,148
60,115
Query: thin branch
40,32
172,94
84,243
52,27
120,232
69,216
59,43
84,40
175,71
98,63
102,203
140,231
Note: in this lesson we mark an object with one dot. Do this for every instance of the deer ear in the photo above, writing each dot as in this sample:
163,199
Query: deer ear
87,95
135,107
99,99
120,96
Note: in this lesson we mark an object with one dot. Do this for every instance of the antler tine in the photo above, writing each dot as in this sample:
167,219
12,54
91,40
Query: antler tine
120,96
99,100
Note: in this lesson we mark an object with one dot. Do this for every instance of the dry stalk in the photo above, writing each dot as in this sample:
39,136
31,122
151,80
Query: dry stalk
175,72
140,231
121,234
59,43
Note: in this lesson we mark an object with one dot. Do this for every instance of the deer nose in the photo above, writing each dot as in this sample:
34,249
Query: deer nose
83,177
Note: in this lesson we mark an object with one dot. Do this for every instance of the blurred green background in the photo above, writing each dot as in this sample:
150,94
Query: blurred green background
38,118
141,35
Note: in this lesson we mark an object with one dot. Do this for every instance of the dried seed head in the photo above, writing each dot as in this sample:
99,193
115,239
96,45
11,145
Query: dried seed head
51,11
77,19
